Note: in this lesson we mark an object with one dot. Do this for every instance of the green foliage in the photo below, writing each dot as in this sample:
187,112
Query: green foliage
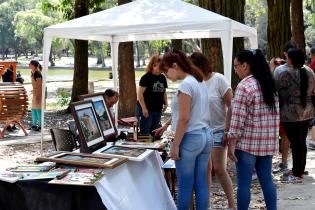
63,98
256,16
29,27
159,46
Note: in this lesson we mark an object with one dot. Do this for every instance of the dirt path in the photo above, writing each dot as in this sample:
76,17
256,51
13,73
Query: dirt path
290,196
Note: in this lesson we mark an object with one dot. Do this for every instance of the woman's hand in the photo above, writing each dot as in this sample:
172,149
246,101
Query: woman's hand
231,150
159,131
145,113
174,154
164,107
225,140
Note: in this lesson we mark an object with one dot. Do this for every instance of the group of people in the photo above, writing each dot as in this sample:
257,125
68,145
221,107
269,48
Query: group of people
210,124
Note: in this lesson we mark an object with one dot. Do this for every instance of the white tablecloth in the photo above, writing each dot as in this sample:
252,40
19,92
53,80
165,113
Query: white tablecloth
136,186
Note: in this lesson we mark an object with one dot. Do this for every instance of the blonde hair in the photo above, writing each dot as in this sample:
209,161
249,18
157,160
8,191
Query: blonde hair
155,59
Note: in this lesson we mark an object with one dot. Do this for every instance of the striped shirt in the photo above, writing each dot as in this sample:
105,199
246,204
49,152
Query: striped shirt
253,123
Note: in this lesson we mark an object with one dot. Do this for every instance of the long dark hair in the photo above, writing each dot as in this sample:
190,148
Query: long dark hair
182,61
297,59
201,61
261,72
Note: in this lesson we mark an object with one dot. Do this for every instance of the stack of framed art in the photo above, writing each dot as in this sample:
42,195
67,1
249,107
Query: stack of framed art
96,127
81,159
94,122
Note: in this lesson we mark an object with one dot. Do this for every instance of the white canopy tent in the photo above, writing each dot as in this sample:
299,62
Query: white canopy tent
149,20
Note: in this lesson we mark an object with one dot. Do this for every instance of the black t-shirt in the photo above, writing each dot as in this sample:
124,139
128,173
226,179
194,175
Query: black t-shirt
154,93
7,76
37,74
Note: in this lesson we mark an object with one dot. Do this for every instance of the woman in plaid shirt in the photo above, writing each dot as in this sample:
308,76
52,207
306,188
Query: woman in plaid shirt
254,129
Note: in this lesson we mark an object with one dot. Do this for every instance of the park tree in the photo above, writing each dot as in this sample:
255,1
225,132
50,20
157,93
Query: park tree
177,44
29,28
75,9
279,28
212,47
8,9
81,69
126,73
298,24
309,14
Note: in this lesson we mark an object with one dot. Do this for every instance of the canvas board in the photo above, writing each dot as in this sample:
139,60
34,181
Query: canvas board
81,159
134,154
90,133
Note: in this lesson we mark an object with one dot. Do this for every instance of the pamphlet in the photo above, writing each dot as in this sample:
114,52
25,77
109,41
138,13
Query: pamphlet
42,175
8,176
169,164
33,168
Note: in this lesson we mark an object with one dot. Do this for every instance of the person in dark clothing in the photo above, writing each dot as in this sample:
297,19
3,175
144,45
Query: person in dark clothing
152,98
8,74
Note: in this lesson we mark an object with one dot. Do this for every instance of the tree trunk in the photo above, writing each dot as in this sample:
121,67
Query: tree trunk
212,47
279,28
126,72
298,24
137,54
177,44
81,70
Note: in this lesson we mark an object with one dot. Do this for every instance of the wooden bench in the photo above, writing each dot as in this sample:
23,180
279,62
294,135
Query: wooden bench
13,105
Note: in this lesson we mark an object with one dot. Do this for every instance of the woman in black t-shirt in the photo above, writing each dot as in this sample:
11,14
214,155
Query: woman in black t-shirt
152,98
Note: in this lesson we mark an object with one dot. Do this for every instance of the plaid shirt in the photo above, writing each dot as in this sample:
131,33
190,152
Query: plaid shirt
254,125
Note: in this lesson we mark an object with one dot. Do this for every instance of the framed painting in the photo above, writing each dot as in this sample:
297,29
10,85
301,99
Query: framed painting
135,154
143,145
90,133
103,114
82,159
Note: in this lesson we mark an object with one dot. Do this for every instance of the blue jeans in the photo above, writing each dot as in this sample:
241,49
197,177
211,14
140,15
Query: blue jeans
150,123
244,167
36,117
192,168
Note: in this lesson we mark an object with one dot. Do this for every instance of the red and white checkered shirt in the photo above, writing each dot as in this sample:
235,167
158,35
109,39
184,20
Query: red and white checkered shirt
253,123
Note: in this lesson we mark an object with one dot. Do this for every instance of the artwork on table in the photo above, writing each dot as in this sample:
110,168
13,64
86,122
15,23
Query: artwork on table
90,133
33,168
87,177
134,154
42,175
80,159
143,145
11,177
103,114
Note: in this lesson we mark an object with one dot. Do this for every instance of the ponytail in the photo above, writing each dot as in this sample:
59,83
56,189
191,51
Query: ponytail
40,68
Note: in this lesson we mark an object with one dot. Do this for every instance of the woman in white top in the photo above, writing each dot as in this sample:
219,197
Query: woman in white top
192,142
220,96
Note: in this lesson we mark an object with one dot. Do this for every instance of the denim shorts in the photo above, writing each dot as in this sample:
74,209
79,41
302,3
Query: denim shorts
218,138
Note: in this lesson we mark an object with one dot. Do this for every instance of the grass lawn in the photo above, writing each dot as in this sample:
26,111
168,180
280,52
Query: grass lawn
67,74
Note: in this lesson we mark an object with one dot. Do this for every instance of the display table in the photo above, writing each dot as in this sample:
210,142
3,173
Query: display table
136,186
130,186
38,195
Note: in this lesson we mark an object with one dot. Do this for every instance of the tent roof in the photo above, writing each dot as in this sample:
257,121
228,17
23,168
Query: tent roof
149,20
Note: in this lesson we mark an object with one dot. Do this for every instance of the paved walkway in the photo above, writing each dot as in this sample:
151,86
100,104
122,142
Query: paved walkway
299,196
14,138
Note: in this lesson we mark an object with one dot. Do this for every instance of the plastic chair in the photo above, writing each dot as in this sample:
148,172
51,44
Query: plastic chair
73,128
63,139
